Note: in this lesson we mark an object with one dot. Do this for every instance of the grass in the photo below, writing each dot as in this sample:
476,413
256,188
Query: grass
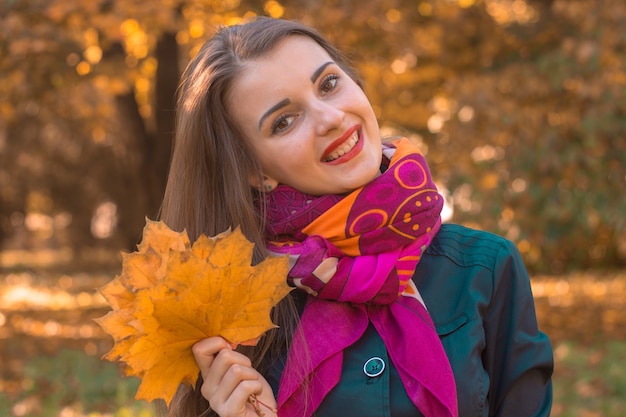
589,381
72,384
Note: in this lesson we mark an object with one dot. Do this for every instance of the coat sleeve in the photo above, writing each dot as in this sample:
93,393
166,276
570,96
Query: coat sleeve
518,356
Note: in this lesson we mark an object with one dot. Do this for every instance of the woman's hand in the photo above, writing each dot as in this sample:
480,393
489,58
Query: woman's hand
230,381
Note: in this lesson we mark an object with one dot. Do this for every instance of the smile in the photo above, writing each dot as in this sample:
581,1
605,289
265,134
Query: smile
344,148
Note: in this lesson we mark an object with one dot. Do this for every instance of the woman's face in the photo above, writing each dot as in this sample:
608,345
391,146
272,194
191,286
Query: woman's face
309,123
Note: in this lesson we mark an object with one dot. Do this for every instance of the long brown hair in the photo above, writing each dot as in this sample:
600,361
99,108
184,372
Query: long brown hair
208,187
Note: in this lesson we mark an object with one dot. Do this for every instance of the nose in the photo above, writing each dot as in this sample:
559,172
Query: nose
327,117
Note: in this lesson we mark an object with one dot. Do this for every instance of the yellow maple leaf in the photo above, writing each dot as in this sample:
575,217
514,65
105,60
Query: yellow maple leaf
171,294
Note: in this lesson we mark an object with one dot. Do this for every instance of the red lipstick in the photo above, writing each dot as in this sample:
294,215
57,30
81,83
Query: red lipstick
338,142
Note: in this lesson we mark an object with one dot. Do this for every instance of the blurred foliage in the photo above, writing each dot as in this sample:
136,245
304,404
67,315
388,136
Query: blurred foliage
520,105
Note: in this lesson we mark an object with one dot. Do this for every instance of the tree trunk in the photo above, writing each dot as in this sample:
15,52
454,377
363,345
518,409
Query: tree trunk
133,202
148,151
166,83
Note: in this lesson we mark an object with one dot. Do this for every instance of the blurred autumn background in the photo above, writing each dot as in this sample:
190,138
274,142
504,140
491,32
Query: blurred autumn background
520,106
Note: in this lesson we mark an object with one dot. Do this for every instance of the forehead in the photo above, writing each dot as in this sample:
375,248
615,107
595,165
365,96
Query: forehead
287,67
295,52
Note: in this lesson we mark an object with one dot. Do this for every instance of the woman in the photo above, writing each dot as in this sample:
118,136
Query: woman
394,313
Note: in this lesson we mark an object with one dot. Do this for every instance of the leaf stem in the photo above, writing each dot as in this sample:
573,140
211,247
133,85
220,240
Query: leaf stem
256,403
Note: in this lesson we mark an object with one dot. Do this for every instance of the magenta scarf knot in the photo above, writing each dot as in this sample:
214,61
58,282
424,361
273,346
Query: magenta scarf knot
378,233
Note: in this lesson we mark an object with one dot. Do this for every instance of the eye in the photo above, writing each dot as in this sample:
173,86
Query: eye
282,123
329,83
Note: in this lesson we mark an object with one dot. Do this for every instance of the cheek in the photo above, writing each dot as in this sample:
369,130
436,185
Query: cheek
287,160
359,96
266,159
273,160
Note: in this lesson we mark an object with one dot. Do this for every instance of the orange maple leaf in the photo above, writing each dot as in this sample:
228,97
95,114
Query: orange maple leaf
171,294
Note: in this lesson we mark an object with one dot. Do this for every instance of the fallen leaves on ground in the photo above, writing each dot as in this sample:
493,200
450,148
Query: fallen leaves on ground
172,294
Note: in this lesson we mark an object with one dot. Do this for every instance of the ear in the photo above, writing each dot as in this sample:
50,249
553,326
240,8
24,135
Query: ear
267,184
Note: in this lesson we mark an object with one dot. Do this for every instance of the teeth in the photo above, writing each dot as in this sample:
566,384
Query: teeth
344,148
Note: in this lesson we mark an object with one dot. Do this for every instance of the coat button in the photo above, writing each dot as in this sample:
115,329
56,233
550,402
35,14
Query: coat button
374,367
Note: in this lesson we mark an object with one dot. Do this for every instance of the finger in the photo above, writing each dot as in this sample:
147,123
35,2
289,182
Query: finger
236,402
326,269
222,363
236,374
205,351
229,385
298,283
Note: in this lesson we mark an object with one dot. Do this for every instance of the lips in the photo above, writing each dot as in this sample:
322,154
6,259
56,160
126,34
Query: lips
342,146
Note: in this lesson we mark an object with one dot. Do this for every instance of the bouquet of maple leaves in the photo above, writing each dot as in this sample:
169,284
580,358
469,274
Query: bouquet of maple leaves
172,293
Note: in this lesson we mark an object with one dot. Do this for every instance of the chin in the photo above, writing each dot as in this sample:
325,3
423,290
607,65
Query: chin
363,180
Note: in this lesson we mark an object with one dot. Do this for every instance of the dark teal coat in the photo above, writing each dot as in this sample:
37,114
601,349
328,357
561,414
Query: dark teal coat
478,293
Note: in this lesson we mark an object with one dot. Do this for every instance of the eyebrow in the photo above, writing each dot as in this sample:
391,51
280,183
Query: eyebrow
318,71
286,101
275,107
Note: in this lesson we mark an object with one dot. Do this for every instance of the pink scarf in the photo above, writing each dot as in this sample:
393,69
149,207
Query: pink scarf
378,232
